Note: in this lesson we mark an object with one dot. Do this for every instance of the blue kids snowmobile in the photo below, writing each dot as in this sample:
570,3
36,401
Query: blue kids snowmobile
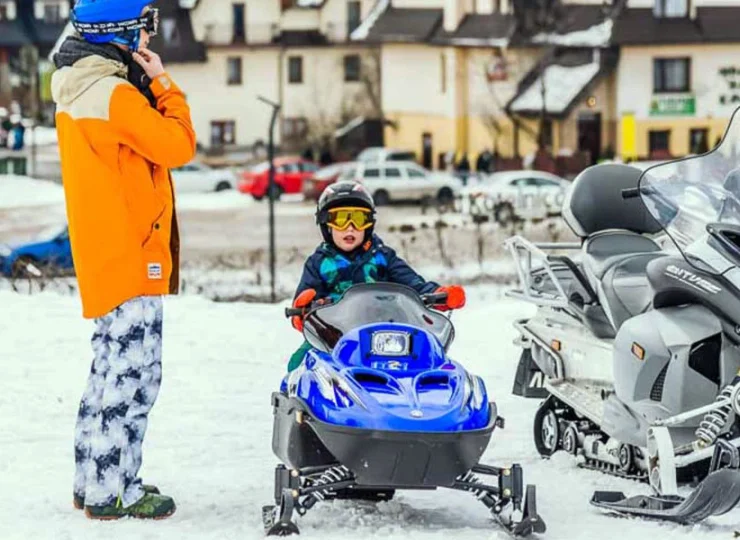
378,406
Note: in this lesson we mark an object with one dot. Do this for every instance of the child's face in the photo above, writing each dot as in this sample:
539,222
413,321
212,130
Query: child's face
348,239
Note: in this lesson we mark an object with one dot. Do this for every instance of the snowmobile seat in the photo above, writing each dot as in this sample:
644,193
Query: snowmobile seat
615,263
615,232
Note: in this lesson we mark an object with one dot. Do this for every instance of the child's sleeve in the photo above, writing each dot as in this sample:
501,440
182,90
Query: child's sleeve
400,272
311,279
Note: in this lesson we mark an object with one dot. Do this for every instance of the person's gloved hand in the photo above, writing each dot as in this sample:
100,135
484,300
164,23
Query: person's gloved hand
302,300
455,297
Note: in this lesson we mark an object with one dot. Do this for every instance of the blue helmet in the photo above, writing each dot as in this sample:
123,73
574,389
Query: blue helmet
113,21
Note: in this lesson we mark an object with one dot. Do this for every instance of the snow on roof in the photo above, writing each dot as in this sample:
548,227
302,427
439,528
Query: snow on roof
562,85
362,31
188,4
349,126
480,42
598,35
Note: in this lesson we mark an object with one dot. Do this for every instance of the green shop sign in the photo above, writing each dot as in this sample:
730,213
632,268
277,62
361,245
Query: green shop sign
672,105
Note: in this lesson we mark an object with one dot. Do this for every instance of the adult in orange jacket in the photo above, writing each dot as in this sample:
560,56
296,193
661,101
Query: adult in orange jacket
122,122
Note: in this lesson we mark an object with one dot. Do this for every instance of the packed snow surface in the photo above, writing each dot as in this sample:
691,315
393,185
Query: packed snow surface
208,440
562,85
18,191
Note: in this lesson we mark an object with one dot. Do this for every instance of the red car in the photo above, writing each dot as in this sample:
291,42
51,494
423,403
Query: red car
290,172
314,185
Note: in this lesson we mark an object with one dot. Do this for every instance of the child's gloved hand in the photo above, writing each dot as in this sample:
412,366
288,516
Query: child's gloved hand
302,300
455,297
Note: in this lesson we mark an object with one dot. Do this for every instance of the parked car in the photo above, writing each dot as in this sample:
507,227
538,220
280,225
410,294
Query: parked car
314,185
290,172
509,195
199,177
50,249
403,181
376,154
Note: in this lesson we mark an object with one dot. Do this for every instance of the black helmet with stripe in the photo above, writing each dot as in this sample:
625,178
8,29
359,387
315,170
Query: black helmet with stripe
343,194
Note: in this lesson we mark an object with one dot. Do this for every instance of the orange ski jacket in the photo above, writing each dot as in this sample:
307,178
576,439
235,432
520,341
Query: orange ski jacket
116,152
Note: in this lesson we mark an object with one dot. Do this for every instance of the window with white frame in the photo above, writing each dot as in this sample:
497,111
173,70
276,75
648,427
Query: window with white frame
170,33
51,11
671,8
5,11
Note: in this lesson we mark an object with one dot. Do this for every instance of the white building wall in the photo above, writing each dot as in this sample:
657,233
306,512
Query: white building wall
418,91
211,99
635,78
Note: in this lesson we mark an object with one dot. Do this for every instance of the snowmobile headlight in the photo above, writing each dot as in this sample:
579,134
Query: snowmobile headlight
391,343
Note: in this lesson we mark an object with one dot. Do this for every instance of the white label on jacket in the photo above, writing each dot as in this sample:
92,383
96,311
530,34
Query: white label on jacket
154,270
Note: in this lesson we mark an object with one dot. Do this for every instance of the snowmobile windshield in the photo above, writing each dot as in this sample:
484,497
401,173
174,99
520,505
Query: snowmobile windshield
697,202
374,303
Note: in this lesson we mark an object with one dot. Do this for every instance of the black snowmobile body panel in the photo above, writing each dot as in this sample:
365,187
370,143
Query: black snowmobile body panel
390,459
717,494
529,380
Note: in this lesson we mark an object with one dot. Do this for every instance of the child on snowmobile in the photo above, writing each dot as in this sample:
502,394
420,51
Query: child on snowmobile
352,254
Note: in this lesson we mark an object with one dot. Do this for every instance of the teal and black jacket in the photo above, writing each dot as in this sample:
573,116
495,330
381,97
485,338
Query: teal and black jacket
330,272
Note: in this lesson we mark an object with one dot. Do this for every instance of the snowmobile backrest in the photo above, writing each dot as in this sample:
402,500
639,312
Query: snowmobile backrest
595,203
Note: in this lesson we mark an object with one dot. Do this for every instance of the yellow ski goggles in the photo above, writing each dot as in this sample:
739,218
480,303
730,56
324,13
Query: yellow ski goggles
340,218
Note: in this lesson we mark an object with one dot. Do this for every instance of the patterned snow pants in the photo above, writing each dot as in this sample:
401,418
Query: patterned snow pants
123,384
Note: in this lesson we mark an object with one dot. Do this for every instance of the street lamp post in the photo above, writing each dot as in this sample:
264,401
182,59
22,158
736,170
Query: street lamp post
271,191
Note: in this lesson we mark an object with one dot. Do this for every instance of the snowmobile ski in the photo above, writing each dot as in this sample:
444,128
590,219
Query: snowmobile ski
717,494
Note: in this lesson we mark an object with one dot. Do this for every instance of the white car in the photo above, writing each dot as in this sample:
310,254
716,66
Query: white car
199,177
523,194
403,181
375,154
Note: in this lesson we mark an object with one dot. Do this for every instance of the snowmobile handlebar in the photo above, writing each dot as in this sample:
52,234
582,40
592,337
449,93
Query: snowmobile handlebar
431,299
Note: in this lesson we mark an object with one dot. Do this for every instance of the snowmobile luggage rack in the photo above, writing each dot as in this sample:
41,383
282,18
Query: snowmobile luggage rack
372,464
546,285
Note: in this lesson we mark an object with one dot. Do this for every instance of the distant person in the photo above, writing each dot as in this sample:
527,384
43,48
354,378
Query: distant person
122,124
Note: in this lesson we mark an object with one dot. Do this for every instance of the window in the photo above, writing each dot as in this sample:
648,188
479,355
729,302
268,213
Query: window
443,73
547,132
354,17
295,69
7,10
671,75
170,33
401,156
543,182
372,173
52,13
223,132
309,167
699,141
415,173
659,141
239,11
393,173
294,127
234,70
352,68
671,8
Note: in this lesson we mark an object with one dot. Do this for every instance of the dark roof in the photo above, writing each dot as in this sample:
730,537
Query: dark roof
184,48
13,34
568,58
712,25
476,29
405,25
300,38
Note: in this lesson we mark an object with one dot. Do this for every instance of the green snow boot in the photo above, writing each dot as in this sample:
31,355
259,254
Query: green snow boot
79,502
150,506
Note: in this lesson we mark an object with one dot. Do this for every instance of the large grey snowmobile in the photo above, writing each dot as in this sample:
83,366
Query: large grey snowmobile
635,342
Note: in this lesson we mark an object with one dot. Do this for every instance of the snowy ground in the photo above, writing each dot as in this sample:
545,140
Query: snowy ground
208,443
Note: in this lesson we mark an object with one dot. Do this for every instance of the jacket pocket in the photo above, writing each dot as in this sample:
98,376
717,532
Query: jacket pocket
153,226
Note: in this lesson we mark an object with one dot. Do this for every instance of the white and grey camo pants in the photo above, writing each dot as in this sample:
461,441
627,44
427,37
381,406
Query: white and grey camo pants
123,384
